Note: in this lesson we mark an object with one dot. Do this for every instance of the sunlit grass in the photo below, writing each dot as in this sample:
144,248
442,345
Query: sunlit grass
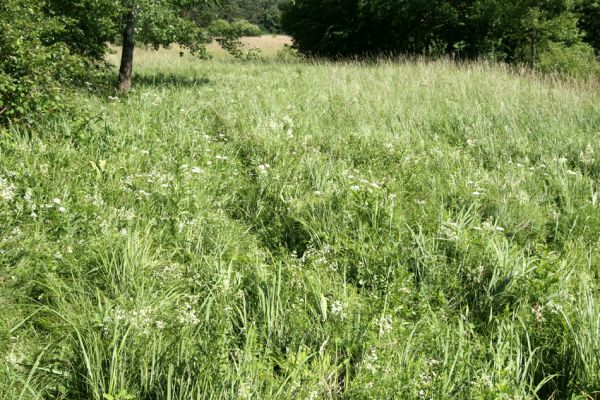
312,230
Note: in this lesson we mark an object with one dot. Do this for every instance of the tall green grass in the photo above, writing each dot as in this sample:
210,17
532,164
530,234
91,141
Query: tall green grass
290,230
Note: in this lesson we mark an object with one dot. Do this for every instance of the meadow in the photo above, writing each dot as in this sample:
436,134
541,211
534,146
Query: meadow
280,229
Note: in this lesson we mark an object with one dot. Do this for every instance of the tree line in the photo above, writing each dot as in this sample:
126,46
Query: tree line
551,33
265,14
49,47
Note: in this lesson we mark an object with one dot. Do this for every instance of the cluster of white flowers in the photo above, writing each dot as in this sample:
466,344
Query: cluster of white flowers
15,355
170,272
371,361
489,226
538,312
143,319
7,190
187,315
337,309
314,395
553,307
245,390
263,168
317,257
359,183
96,200
285,124
384,324
142,194
586,156
28,197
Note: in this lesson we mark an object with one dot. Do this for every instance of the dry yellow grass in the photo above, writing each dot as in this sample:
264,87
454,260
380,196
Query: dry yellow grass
269,45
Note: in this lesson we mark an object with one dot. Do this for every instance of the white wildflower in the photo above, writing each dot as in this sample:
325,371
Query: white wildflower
336,308
371,361
538,313
188,315
314,395
7,190
385,324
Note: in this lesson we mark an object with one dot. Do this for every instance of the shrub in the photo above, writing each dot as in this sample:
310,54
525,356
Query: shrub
223,28
245,28
578,60
35,74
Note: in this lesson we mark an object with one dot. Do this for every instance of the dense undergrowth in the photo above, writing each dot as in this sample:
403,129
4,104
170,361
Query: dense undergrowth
263,230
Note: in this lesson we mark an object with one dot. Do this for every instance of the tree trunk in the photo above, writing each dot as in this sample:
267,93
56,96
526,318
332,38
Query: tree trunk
124,84
534,46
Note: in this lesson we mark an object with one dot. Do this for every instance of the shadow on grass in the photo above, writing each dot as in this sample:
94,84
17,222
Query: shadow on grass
169,80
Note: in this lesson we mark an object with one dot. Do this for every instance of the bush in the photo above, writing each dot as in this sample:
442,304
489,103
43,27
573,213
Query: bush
245,28
223,28
35,74
578,60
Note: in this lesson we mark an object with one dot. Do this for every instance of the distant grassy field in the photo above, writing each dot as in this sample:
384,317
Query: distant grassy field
268,230
268,46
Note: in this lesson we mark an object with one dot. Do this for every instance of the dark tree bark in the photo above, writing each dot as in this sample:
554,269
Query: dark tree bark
126,68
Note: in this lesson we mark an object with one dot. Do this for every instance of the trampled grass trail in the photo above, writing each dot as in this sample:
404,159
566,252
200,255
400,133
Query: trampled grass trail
296,230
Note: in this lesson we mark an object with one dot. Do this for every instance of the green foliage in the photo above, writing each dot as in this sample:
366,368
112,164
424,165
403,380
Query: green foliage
263,13
516,31
236,29
36,67
165,22
578,60
589,22
306,230
49,47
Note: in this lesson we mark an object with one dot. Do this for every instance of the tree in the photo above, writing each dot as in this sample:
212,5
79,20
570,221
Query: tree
539,32
157,23
589,22
37,69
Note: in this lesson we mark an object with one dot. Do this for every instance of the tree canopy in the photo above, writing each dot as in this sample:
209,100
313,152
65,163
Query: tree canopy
47,46
508,30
